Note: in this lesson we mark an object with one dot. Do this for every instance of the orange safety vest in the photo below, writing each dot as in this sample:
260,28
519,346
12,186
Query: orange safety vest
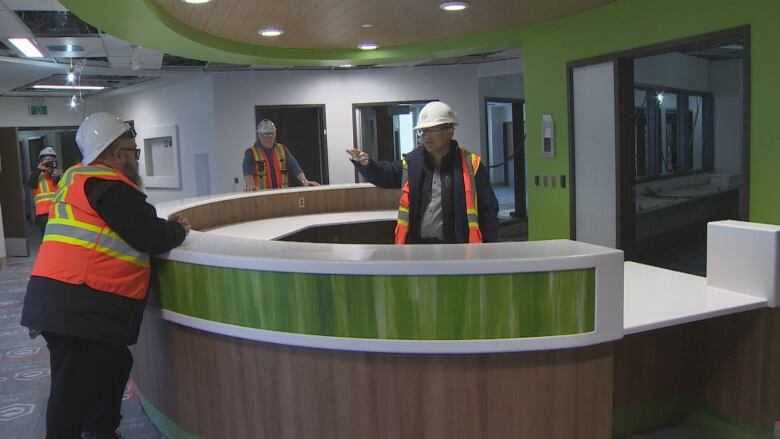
262,176
469,164
43,194
80,248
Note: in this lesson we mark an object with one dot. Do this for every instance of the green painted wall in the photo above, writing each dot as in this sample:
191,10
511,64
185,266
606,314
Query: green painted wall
635,23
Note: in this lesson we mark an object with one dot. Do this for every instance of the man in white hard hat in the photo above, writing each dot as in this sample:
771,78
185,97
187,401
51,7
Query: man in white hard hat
446,193
267,163
43,181
87,291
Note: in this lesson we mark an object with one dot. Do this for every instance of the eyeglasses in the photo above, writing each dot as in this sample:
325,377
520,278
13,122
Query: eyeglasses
436,130
136,150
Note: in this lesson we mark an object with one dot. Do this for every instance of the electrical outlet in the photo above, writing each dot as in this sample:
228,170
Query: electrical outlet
301,202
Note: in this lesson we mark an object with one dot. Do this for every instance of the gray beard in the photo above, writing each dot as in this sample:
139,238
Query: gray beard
132,174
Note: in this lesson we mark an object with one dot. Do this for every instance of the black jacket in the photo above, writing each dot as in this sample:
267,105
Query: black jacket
389,175
80,311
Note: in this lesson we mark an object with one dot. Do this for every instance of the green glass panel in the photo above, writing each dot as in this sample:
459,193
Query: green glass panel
451,307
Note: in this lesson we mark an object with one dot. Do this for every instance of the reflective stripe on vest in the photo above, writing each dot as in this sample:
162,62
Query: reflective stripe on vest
43,195
79,247
469,166
402,224
263,178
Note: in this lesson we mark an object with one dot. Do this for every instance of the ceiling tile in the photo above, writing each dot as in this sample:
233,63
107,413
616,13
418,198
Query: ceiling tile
92,46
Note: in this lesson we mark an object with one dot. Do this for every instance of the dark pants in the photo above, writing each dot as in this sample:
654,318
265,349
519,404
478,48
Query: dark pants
88,380
41,221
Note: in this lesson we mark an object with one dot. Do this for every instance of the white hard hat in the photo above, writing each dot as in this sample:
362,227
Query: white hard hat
97,132
47,151
266,126
434,114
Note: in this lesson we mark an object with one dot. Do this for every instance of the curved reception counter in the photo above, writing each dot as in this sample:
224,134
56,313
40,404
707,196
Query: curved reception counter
287,314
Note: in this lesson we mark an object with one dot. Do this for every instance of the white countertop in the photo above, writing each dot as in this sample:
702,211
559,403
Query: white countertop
652,297
275,228
656,298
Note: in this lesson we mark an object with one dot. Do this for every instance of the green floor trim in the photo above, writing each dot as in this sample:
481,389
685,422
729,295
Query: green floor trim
718,426
397,307
675,410
647,416
167,427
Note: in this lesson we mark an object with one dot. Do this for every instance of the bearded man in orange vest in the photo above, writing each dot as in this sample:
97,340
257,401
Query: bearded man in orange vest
43,181
87,291
446,194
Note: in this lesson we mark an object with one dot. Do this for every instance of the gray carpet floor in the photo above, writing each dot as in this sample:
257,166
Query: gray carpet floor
24,369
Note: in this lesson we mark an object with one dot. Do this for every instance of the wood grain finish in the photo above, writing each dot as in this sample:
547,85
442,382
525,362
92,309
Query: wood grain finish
331,24
217,387
729,364
280,203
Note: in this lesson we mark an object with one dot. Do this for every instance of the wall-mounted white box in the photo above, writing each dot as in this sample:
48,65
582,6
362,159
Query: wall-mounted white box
159,163
745,258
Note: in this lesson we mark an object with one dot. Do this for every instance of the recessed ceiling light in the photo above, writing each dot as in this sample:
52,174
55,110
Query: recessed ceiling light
367,46
68,87
196,2
26,47
454,6
366,25
270,32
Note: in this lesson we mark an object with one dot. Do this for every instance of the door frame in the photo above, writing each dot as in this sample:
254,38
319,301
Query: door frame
357,105
323,133
624,124
520,177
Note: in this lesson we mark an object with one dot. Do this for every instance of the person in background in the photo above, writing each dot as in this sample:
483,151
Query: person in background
43,181
267,163
87,291
446,193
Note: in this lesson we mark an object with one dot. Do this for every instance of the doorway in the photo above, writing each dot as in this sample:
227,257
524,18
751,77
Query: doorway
505,154
674,146
385,130
31,140
302,129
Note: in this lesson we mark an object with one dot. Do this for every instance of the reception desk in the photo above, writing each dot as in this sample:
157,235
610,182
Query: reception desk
251,333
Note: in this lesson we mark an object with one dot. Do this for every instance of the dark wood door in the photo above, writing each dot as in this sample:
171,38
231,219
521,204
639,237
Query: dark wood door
302,129
70,151
11,195
34,146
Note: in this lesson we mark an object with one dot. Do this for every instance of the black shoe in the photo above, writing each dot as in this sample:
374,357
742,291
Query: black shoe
114,435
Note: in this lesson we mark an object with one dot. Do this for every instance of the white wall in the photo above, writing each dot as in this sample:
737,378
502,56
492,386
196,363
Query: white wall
674,70
187,103
594,157
237,93
721,78
726,86
14,112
